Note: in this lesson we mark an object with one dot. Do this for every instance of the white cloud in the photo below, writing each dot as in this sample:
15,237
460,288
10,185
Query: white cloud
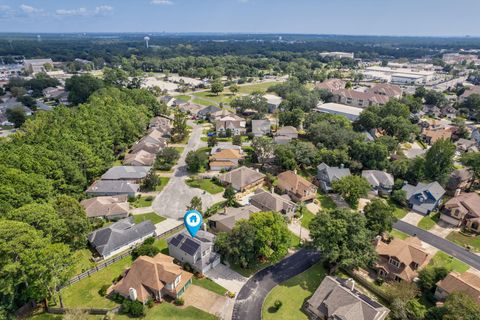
5,11
161,2
102,10
29,9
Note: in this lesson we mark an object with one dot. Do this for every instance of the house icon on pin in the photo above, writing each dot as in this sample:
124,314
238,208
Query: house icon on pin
193,219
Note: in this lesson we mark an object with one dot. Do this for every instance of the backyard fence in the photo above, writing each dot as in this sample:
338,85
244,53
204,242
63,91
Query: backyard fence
108,262
92,311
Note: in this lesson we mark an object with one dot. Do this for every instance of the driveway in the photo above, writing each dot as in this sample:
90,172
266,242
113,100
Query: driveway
413,218
248,305
172,202
227,278
208,301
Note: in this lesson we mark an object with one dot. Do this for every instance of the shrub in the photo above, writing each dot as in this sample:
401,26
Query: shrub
150,198
145,250
103,290
230,294
150,303
187,267
150,240
133,308
277,304
179,301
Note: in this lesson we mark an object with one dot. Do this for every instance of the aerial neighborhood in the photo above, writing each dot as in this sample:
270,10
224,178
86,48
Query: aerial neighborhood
338,184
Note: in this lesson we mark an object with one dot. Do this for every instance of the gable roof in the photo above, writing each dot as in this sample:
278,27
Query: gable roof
378,178
106,206
113,186
241,177
210,109
119,234
358,95
231,215
291,181
202,241
227,154
434,189
466,202
466,282
286,130
331,85
126,173
272,201
333,173
143,157
386,89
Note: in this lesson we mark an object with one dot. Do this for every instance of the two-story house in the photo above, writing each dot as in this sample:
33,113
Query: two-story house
270,201
326,175
463,210
297,187
424,198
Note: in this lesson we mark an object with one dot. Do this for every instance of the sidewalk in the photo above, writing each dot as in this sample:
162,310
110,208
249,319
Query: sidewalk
301,232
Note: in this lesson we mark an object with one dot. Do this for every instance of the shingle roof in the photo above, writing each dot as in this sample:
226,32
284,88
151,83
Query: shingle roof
428,191
126,173
467,283
106,206
113,186
231,215
466,202
142,157
119,234
378,178
272,201
261,126
203,240
286,130
333,173
290,181
241,177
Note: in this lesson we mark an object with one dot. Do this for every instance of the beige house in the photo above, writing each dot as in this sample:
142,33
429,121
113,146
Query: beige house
430,136
463,210
297,187
225,220
141,158
153,278
466,282
226,159
111,208
400,259
244,180
270,201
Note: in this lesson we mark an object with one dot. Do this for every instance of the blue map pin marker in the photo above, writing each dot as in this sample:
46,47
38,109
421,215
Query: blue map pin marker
193,221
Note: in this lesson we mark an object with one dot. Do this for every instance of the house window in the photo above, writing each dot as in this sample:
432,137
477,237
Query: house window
414,265
394,262
398,279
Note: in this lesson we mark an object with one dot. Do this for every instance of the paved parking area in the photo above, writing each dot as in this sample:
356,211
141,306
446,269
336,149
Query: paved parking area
227,278
412,218
208,301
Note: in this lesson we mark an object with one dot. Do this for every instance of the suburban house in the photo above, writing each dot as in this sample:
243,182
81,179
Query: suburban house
463,210
141,158
237,125
331,85
386,89
113,188
350,112
198,252
326,175
261,127
225,221
400,259
146,146
468,92
209,111
459,179
160,123
153,278
156,136
53,93
381,181
243,180
466,282
430,136
110,208
34,66
466,145
297,187
337,298
190,108
120,236
273,102
424,198
270,201
358,98
225,159
127,173
285,134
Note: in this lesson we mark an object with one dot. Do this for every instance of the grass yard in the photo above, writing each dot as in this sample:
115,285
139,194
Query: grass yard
209,285
162,183
294,240
429,221
449,262
142,202
399,212
307,218
205,184
250,88
152,216
180,149
171,312
464,240
183,97
293,293
203,102
398,234
82,261
224,97
326,202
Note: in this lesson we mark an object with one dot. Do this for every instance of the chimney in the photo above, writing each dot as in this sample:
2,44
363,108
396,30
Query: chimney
457,192
342,166
350,283
132,294
295,171
204,227
272,189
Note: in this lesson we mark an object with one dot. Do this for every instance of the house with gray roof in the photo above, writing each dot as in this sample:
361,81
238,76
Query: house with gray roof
127,173
423,197
261,127
243,179
337,298
381,181
120,236
326,175
270,201
113,188
198,252
225,220
206,112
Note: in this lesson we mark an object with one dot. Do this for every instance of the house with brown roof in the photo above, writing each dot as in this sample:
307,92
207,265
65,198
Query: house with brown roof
337,299
297,187
466,282
386,89
331,85
153,278
225,159
400,259
463,210
460,179
430,136
225,220
141,158
244,180
468,92
358,98
270,201
110,208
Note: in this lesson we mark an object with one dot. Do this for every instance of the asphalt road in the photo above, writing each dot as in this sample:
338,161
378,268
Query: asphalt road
446,246
248,305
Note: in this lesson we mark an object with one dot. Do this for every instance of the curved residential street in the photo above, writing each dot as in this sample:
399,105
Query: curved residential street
446,246
174,198
248,305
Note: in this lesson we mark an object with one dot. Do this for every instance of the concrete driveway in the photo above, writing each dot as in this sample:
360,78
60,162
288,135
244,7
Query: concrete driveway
209,301
172,202
227,278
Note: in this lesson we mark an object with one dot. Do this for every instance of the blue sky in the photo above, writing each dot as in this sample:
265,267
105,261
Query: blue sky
373,17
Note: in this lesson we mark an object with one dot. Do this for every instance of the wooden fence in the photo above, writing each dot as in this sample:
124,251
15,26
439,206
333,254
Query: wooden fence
108,262
92,311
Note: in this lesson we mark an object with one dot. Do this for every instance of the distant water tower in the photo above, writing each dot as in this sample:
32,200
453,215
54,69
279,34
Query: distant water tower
147,38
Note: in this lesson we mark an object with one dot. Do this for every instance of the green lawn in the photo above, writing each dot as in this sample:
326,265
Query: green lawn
171,312
142,202
293,293
256,87
307,217
152,216
464,240
183,97
224,97
203,102
429,221
326,202
398,234
449,262
205,184
294,240
180,149
162,183
82,261
209,285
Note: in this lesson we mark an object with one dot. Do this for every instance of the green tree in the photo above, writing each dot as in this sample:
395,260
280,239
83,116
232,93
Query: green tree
237,140
75,218
229,194
343,238
179,129
195,204
429,276
166,158
196,161
372,155
352,188
17,116
81,87
234,88
400,294
150,182
285,157
115,77
379,216
149,250
292,118
439,160
460,306
212,141
263,148
217,87
472,160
